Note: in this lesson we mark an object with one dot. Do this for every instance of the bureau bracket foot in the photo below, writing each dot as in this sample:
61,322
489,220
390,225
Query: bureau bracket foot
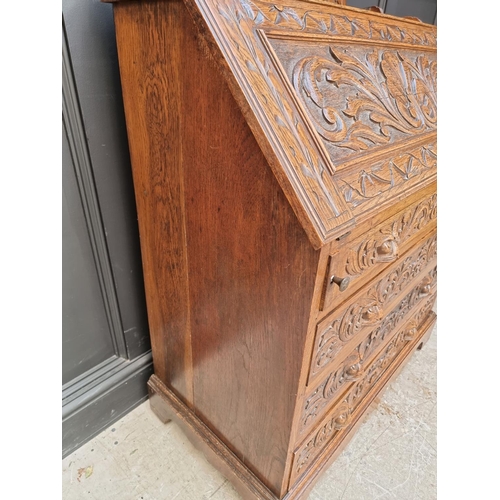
167,406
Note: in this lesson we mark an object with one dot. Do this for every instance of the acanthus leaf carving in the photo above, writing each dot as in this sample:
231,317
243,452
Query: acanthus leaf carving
384,245
343,412
383,91
367,310
332,384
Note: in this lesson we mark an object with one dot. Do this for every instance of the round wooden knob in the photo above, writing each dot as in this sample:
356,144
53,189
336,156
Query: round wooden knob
387,251
343,283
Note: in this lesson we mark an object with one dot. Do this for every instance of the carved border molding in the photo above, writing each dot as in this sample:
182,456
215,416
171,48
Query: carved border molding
323,18
364,188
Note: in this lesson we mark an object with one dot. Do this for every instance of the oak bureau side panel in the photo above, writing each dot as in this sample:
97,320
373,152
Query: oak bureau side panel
251,274
230,271
150,46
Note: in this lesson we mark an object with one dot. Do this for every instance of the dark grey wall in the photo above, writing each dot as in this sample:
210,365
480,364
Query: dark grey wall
106,349
91,39
425,10
87,340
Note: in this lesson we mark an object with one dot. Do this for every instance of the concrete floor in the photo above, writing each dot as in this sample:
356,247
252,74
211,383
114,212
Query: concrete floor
392,456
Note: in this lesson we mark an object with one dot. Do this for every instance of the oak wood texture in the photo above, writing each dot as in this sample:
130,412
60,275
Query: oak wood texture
275,148
167,406
224,225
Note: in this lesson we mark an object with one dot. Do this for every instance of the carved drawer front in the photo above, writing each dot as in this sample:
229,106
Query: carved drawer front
357,261
342,358
366,308
360,391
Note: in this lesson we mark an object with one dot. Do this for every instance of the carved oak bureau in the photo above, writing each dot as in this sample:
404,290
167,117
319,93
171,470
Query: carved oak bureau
284,163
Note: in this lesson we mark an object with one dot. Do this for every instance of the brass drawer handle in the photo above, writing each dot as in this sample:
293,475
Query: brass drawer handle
343,283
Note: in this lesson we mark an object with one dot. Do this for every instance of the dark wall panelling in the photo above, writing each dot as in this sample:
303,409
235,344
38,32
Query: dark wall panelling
110,391
87,194
91,41
425,10
106,349
87,339
364,4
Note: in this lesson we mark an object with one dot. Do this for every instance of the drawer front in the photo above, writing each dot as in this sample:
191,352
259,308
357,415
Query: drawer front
362,392
357,261
348,365
366,308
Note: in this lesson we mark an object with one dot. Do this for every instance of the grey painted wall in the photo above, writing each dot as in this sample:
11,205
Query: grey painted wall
106,348
91,39
87,340
425,10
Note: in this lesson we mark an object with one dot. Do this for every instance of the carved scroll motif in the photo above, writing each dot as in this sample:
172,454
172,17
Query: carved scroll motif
367,310
352,369
371,98
310,18
371,182
340,419
343,413
384,246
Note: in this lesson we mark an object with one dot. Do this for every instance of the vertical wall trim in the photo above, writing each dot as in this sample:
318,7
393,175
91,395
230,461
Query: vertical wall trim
382,4
75,131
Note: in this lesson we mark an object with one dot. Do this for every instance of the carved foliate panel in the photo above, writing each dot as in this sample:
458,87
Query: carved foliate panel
344,412
366,187
331,94
352,368
361,98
